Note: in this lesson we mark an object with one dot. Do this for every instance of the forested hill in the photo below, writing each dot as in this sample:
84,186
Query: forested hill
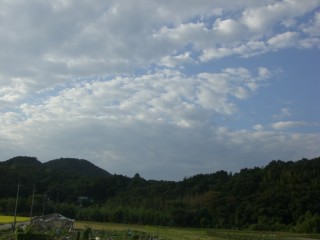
46,177
76,167
279,196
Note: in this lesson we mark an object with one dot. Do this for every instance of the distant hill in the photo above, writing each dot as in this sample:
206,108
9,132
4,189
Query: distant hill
46,177
21,161
80,167
21,168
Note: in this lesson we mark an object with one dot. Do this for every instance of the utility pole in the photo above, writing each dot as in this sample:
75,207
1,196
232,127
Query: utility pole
34,188
44,202
15,209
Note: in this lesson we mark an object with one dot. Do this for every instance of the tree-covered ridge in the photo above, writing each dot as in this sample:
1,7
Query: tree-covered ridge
75,166
64,173
280,196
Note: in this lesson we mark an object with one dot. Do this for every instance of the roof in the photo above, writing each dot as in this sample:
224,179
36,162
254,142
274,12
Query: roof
52,221
52,216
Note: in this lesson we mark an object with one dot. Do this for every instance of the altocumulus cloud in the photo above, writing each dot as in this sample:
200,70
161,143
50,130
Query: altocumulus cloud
139,87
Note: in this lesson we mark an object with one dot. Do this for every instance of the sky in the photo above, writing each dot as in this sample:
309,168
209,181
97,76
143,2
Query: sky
166,89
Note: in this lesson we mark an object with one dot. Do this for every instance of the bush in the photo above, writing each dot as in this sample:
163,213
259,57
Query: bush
309,223
86,234
31,236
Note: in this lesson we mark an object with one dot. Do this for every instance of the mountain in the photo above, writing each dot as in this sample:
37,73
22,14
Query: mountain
46,177
75,166
21,161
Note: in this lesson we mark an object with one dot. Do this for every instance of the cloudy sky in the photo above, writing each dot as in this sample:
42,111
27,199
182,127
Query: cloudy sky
167,89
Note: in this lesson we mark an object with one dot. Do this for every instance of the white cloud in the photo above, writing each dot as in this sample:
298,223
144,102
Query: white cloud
286,124
215,53
260,19
50,42
173,61
264,73
284,113
165,95
283,40
258,127
312,28
128,118
228,29
148,146
120,82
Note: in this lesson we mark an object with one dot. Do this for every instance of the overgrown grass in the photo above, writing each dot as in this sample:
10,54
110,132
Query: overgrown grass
120,231
169,233
260,235
165,233
9,219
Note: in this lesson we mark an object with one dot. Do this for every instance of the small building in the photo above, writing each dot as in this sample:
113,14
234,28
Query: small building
52,221
83,200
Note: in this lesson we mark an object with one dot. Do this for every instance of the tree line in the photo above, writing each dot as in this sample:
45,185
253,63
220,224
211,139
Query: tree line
279,196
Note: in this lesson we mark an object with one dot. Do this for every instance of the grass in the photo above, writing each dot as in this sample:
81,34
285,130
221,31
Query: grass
9,219
170,233
164,232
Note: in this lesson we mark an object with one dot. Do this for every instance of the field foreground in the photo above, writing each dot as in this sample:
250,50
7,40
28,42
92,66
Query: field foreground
170,233
9,219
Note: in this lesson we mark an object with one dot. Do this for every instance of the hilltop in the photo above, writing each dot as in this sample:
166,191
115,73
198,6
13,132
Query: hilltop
30,172
76,166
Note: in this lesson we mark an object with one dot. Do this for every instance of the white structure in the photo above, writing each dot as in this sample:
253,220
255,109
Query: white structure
53,221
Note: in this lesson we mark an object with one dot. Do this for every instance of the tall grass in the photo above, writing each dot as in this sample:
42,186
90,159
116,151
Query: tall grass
9,219
171,233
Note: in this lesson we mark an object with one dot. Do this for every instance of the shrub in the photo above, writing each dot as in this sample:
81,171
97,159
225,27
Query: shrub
309,223
31,236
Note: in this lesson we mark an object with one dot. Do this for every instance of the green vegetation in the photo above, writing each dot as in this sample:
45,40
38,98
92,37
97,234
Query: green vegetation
9,219
169,233
282,196
107,231
33,236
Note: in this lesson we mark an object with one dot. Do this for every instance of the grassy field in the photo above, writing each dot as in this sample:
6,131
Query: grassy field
168,233
163,232
9,219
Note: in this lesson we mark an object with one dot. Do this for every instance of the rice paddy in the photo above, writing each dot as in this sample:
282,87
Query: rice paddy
9,219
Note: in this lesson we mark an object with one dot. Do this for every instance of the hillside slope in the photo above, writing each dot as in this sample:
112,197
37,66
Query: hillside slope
80,167
46,177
